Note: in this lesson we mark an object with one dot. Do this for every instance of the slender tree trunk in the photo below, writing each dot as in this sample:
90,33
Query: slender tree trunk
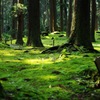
1,24
47,17
52,15
20,27
61,14
14,23
69,18
96,23
29,40
93,20
20,30
98,8
65,14
80,32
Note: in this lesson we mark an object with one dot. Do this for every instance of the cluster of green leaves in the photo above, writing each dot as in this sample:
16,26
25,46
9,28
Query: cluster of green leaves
18,9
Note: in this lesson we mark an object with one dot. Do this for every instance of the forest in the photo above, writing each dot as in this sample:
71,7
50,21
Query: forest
49,49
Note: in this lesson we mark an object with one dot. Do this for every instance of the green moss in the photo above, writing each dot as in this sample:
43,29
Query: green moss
32,75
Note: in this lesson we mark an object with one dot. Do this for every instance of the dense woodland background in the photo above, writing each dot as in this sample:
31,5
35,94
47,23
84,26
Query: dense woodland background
47,49
32,19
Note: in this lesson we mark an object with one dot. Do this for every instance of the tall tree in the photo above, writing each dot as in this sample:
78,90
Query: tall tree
34,22
44,14
80,32
61,14
93,20
1,19
20,26
98,12
69,18
29,40
65,14
52,15
14,23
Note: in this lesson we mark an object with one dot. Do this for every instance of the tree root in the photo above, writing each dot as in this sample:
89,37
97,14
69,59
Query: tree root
69,48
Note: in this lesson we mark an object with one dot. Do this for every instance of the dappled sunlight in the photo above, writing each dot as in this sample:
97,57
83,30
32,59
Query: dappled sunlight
9,54
48,77
51,73
37,61
97,48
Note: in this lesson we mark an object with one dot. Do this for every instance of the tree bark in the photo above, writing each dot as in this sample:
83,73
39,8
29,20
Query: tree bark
65,14
61,14
1,24
14,24
69,18
93,19
52,15
34,22
80,32
20,27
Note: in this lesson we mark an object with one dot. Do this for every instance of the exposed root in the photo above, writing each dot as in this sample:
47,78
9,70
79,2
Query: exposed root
69,48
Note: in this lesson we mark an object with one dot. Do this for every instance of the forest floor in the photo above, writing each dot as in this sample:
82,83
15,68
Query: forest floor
26,74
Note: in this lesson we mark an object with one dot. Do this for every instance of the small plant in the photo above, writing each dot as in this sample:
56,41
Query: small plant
6,37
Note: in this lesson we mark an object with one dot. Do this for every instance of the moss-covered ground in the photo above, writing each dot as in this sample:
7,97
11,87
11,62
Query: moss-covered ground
26,74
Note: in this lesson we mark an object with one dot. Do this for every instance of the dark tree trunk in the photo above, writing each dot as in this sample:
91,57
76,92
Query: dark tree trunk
52,15
14,28
14,24
20,27
69,18
98,8
96,23
61,14
80,32
1,24
34,22
93,20
65,14
20,30
29,40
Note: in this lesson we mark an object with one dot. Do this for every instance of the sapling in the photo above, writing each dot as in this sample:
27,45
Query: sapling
53,41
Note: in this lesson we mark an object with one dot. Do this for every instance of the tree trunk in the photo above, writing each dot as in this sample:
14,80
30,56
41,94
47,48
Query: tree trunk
65,14
1,24
20,27
69,18
80,32
61,15
20,30
29,40
93,20
34,22
98,8
52,15
96,23
14,24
